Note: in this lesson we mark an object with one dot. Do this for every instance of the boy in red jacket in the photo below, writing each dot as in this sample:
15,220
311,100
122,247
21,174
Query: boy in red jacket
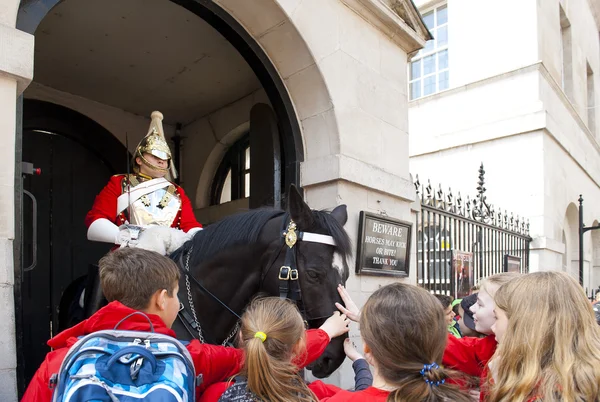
139,280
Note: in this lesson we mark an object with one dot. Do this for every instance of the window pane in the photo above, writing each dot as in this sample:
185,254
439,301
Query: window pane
429,64
226,191
429,45
443,60
428,19
415,89
443,80
442,36
247,185
415,69
429,85
247,158
442,15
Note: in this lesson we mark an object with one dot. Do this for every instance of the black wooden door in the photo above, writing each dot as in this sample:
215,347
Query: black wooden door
71,177
265,158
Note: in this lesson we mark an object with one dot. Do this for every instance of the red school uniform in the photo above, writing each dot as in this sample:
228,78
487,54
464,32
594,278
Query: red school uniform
216,363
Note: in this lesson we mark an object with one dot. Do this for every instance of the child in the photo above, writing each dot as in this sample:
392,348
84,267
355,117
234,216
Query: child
404,332
466,321
471,355
139,280
548,341
446,302
273,338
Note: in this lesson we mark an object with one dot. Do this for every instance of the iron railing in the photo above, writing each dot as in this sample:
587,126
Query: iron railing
461,241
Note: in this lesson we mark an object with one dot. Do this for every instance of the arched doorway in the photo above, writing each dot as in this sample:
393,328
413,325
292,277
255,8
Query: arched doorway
75,155
79,82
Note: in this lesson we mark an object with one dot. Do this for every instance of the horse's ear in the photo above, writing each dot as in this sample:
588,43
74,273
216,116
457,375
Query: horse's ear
340,213
299,211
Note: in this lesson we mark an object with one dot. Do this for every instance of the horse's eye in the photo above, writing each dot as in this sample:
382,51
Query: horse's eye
313,274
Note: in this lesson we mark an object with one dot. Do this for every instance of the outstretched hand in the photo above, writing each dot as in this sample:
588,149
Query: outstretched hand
351,310
336,325
350,350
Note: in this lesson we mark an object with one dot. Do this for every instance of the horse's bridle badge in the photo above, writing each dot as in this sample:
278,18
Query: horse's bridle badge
290,235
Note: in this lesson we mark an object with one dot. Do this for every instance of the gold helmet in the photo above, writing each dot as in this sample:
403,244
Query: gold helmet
154,143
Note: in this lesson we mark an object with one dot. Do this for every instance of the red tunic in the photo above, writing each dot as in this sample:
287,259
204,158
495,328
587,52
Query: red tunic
216,363
105,206
471,356
331,393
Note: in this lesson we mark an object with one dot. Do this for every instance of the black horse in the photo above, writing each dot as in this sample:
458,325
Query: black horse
245,255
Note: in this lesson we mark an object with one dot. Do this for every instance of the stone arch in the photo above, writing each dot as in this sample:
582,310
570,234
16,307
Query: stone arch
571,235
264,34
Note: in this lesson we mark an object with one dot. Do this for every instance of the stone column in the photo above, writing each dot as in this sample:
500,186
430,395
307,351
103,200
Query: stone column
16,72
361,49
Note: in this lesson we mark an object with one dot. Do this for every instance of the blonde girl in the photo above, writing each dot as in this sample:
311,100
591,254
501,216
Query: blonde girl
471,355
549,342
272,335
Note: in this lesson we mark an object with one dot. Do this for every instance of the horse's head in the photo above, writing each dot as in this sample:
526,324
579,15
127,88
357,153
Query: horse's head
317,274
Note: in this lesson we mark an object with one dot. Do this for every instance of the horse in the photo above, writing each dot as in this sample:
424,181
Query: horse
266,252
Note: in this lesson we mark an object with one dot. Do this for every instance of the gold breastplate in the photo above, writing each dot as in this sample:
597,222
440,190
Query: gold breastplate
158,208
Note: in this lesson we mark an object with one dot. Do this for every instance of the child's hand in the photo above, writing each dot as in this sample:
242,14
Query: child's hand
351,351
351,310
336,325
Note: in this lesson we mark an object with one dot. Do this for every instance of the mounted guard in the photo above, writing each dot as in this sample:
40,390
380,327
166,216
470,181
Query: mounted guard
144,209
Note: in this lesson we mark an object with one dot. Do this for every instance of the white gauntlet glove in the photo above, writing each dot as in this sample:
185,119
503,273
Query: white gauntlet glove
128,235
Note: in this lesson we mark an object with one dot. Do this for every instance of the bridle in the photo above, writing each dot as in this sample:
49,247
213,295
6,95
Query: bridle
289,284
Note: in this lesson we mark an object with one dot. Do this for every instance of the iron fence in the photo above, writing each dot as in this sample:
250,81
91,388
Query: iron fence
461,241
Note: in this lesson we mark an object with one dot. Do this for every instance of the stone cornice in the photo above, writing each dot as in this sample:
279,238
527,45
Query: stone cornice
341,167
397,19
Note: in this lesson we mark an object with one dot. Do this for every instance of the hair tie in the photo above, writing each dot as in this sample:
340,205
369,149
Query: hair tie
427,368
261,335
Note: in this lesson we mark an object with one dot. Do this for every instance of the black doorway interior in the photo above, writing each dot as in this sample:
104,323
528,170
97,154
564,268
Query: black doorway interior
76,157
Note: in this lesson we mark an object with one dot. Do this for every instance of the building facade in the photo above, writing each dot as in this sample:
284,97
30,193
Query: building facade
79,79
515,86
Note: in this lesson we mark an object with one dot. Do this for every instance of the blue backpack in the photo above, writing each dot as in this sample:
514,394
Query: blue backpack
126,366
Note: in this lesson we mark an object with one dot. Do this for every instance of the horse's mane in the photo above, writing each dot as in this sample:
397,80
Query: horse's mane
242,228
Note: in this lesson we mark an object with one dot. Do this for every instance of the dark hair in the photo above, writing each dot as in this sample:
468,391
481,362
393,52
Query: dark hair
405,329
132,275
445,300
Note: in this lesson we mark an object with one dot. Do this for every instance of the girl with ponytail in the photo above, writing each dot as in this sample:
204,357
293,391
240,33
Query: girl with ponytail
273,337
404,333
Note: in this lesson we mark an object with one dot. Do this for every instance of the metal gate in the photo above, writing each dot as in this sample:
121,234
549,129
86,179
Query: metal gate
460,242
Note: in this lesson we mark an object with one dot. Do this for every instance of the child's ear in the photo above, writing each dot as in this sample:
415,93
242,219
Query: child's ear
159,300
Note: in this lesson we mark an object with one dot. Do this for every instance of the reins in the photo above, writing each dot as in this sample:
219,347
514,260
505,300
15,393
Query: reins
289,284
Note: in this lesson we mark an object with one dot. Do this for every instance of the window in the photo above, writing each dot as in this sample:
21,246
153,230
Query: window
566,54
591,100
232,180
429,72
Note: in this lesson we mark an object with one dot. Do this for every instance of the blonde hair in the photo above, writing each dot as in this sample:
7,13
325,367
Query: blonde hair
492,283
405,328
271,374
551,347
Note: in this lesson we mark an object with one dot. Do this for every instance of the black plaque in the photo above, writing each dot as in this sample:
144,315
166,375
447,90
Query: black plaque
383,246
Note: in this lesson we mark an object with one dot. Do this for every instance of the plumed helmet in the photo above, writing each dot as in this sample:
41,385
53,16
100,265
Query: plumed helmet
154,143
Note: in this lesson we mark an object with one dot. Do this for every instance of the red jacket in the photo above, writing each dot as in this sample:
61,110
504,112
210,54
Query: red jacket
316,342
470,356
216,363
105,206
331,393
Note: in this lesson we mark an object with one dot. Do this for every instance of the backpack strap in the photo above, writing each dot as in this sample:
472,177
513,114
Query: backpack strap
136,313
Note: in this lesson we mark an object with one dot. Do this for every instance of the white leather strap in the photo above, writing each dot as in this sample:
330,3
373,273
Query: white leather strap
138,191
317,238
